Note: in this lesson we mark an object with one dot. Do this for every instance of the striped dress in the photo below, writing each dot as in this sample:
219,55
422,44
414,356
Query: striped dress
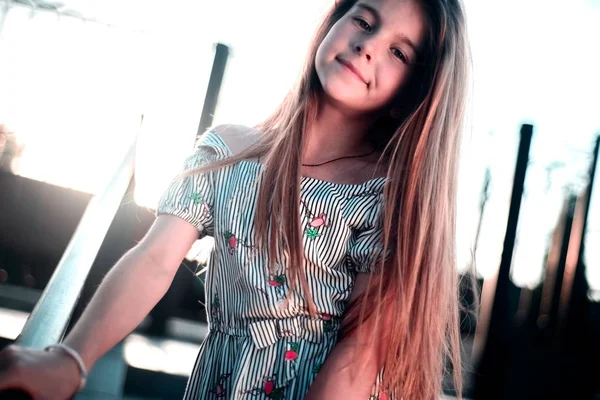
255,348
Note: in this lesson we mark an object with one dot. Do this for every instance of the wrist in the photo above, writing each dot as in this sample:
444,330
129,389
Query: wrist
75,358
86,350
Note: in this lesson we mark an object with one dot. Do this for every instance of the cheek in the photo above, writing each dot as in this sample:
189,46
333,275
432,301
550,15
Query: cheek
326,53
327,46
322,55
391,81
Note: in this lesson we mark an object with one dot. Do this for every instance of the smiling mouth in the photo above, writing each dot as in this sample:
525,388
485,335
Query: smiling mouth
348,65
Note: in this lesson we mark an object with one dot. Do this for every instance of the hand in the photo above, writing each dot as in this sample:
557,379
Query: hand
44,375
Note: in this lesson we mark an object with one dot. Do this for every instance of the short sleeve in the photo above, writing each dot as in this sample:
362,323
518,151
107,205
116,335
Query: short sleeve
191,197
366,245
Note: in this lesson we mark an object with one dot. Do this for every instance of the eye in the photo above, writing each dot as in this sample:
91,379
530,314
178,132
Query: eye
400,55
363,24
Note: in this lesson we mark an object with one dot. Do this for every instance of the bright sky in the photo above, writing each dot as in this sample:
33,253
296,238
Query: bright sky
80,85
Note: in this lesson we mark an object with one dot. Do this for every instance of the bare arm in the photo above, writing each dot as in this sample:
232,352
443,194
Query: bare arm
343,375
142,277
132,288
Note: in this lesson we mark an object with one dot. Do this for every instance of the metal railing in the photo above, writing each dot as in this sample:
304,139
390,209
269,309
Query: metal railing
50,317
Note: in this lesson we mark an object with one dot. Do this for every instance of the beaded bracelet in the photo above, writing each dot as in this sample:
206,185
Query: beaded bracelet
75,356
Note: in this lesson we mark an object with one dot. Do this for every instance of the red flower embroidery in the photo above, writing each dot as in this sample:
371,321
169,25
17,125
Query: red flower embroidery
292,353
268,388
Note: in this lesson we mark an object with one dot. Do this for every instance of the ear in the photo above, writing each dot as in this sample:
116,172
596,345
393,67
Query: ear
338,2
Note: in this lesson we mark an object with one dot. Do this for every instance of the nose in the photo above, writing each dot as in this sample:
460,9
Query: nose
360,50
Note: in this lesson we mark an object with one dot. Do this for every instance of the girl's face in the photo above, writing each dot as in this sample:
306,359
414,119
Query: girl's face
367,55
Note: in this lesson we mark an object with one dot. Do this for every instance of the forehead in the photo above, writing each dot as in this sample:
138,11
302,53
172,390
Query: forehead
403,17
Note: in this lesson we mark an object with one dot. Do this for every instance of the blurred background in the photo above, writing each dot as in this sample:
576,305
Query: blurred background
81,80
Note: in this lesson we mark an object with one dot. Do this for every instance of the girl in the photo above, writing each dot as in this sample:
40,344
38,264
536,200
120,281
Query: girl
333,274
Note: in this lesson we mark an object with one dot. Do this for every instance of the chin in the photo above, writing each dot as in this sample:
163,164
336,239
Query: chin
348,102
344,97
350,106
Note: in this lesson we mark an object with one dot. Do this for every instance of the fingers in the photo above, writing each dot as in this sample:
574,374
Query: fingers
9,374
11,385
32,374
15,395
8,379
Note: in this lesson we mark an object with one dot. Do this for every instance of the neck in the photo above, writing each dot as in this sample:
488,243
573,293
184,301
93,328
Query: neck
335,133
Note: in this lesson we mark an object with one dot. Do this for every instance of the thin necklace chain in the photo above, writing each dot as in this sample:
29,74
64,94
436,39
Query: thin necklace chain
336,159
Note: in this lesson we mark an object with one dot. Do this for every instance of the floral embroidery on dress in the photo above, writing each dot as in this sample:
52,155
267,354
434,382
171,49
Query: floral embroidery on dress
277,282
196,199
292,352
233,242
327,322
316,223
317,367
219,389
215,308
269,388
312,231
274,359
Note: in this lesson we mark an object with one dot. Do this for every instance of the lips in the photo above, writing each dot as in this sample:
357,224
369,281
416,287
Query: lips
352,69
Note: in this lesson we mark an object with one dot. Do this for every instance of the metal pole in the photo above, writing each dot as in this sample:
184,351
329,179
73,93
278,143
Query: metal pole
588,196
50,317
214,87
485,195
559,271
4,14
494,361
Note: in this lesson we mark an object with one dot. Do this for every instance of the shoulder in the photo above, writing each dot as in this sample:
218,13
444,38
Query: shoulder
237,137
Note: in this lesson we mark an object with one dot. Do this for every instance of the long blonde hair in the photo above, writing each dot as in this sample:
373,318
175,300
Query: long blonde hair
415,288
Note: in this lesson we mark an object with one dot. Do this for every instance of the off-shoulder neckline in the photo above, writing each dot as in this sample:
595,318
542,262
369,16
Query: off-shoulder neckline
369,182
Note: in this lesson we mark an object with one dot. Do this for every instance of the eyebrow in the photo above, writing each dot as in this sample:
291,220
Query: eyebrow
373,11
409,43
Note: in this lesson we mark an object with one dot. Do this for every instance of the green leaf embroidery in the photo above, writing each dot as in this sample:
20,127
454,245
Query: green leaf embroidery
196,198
312,233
